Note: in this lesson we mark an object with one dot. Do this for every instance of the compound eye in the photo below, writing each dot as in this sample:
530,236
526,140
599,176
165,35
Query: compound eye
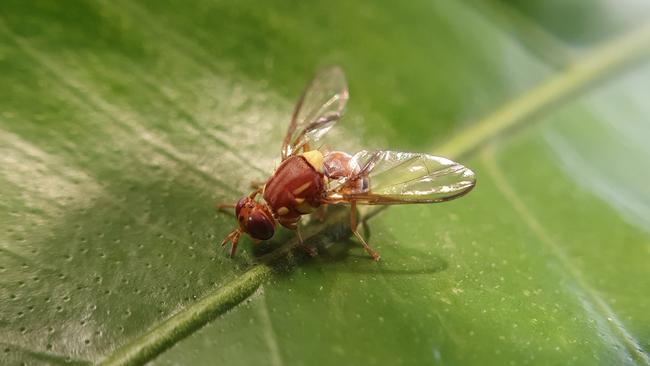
259,226
242,202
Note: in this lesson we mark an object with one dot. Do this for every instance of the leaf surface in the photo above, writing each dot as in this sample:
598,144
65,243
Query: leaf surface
122,124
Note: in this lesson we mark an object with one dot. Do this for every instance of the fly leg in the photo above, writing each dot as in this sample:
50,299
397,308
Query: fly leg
321,213
257,184
223,206
310,250
353,227
228,208
233,237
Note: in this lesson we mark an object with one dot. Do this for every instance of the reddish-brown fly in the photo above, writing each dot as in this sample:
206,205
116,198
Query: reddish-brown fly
309,177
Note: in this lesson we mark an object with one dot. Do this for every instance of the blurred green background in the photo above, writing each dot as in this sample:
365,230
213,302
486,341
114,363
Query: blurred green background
122,123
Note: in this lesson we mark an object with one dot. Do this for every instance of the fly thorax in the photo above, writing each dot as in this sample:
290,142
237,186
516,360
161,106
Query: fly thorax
315,159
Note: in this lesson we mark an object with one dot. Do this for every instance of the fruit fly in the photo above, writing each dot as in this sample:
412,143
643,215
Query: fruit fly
309,177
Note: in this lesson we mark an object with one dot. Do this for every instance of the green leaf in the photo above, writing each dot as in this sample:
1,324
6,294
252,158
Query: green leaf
123,123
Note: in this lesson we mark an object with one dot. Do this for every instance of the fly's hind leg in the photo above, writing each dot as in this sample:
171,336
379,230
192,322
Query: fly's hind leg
233,237
353,227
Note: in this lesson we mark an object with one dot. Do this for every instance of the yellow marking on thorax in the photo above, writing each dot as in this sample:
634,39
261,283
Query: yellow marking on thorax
301,189
315,159
283,211
299,200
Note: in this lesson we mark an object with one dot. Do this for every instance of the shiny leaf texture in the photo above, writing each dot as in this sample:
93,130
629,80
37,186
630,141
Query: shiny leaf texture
123,123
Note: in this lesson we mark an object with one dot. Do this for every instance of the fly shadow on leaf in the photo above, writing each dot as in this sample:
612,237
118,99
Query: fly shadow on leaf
334,242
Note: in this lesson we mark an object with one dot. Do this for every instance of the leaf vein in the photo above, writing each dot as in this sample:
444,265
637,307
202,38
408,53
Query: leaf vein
616,327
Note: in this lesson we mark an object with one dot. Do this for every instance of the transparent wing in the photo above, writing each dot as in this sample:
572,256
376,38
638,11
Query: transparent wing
319,107
393,177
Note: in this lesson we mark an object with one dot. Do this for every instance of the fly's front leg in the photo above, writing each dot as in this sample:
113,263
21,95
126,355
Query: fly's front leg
225,207
252,195
233,237
353,227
